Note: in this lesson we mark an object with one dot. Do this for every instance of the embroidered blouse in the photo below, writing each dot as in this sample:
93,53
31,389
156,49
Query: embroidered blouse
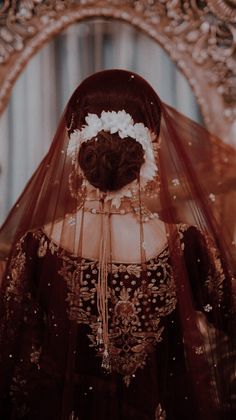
46,291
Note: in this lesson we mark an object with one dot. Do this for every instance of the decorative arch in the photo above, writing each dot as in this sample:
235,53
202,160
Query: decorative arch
199,35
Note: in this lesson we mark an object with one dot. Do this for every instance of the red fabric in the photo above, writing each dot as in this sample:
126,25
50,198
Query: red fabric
189,371
40,324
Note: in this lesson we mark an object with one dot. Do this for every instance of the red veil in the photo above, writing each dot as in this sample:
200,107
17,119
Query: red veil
195,187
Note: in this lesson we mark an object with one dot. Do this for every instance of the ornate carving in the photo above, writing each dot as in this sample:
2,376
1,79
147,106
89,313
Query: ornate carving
223,9
200,36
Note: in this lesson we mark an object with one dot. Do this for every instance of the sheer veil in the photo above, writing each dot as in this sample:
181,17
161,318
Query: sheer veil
195,186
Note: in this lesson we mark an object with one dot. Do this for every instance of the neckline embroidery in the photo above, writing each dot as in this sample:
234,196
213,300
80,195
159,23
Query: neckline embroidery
137,309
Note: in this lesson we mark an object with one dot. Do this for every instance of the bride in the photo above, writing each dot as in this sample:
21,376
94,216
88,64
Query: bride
116,301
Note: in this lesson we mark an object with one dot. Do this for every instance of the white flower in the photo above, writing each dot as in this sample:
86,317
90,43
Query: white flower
117,122
122,123
142,135
148,171
94,125
74,142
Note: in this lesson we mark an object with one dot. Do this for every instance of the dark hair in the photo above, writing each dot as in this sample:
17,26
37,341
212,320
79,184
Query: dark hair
110,162
114,90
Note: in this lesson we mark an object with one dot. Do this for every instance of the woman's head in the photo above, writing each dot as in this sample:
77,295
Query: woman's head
114,90
108,161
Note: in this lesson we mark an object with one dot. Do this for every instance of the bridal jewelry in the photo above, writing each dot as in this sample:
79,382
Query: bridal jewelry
127,200
140,212
137,211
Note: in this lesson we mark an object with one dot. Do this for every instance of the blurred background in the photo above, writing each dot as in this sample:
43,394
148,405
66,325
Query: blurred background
44,87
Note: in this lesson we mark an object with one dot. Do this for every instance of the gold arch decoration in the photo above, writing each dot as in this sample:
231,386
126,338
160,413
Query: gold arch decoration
199,35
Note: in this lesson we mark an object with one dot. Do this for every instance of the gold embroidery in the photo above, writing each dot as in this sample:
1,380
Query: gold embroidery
137,313
15,275
216,277
181,229
78,290
35,355
160,414
132,269
136,310
43,246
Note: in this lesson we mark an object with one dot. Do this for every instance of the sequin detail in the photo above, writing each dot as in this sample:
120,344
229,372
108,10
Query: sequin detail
137,307
160,414
16,284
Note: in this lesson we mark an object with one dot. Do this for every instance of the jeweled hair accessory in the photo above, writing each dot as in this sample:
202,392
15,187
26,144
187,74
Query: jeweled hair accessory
122,123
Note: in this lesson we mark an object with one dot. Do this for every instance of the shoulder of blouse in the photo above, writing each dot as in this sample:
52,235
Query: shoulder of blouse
27,243
191,232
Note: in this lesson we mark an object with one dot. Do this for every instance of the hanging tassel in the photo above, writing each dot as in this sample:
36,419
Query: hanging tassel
102,292
99,334
106,363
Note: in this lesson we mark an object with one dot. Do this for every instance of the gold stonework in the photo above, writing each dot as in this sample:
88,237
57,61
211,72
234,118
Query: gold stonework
200,37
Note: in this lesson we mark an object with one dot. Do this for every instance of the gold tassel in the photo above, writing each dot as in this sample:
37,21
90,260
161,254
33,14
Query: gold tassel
102,292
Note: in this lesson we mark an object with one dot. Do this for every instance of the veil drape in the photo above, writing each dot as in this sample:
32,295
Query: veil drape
196,188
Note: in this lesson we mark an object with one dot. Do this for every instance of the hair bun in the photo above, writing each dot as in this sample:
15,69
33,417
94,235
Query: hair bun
109,162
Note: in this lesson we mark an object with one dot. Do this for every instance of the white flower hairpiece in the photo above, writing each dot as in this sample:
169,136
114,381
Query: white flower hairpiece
122,123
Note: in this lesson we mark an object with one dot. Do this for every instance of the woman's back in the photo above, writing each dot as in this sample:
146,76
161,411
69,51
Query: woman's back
107,311
125,236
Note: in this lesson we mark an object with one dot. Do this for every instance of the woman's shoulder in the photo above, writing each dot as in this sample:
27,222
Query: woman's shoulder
35,244
28,243
57,237
29,237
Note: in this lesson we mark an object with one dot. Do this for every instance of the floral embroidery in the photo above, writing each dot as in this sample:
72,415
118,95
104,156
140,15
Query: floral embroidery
35,355
132,269
137,308
216,276
16,276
